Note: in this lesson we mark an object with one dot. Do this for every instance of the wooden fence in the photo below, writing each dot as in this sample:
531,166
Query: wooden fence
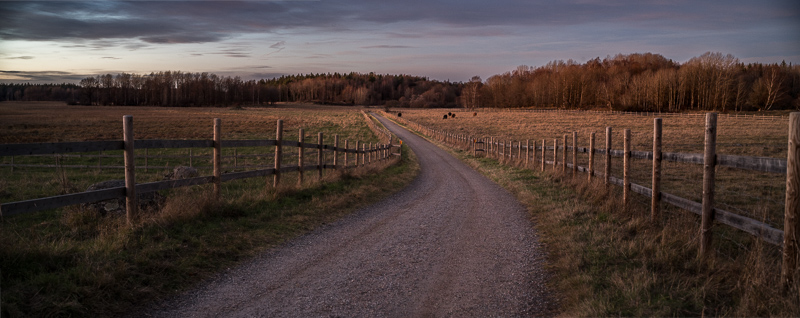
363,156
526,153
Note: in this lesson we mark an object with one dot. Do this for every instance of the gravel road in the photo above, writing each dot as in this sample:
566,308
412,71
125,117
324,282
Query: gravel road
453,243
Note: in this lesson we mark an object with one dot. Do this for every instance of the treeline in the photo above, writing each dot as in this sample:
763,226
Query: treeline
646,82
40,92
204,89
636,82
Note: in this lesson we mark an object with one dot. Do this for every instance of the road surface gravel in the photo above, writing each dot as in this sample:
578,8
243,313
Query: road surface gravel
451,244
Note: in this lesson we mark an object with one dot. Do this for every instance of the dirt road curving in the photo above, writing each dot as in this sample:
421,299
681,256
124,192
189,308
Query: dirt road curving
453,243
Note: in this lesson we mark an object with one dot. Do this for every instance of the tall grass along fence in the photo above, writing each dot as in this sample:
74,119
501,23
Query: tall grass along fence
558,153
342,158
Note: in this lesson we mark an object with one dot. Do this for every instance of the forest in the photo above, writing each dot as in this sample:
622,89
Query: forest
633,82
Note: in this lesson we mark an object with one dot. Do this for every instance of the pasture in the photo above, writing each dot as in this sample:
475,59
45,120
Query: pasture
66,262
609,259
754,194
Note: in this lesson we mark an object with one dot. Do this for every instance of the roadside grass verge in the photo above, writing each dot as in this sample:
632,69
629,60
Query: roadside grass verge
72,262
606,259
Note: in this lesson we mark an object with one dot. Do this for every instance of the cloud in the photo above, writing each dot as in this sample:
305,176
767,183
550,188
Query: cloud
177,22
182,38
26,57
110,58
387,47
278,45
40,77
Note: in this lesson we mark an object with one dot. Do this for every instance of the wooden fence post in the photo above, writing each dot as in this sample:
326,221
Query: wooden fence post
235,159
131,206
276,178
191,158
472,144
607,176
626,166
217,158
591,156
528,153
555,154
574,153
99,162
300,156
146,155
346,146
358,154
544,152
363,154
655,203
709,162
790,222
320,159
335,151
564,156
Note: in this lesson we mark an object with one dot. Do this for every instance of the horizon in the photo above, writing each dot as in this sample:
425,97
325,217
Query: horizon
63,42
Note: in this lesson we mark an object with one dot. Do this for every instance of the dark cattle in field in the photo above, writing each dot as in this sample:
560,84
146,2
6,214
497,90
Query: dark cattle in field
445,117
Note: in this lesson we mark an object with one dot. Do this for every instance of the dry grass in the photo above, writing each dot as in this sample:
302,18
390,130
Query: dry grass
753,194
24,122
71,262
611,260
30,122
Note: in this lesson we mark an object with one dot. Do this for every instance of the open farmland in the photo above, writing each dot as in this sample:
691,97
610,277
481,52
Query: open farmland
610,259
25,122
65,262
757,195
33,122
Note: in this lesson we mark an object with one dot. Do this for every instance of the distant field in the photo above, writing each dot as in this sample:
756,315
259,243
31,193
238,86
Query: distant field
24,122
31,122
754,194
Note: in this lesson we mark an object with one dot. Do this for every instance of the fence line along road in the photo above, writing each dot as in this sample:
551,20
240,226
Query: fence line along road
786,238
364,156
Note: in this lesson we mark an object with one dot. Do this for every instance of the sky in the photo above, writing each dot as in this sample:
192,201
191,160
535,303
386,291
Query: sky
65,41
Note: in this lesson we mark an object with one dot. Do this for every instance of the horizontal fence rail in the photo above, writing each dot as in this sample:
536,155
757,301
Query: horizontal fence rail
363,156
507,150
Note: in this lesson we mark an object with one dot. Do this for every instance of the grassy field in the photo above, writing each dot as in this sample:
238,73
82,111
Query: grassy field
30,122
756,195
71,262
608,260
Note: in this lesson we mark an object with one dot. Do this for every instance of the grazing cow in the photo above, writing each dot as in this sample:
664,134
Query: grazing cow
399,114
445,117
474,114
